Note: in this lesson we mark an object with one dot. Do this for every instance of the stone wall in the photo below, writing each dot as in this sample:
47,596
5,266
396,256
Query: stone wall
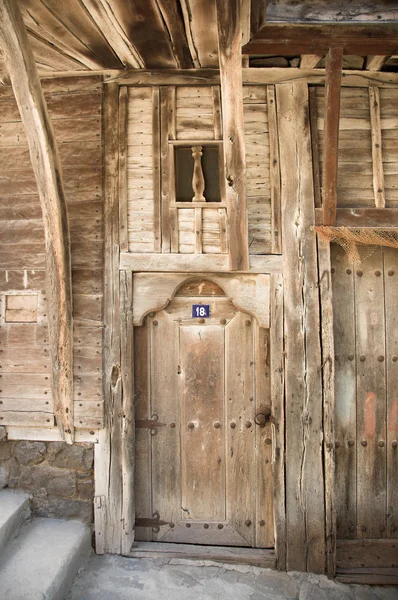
59,477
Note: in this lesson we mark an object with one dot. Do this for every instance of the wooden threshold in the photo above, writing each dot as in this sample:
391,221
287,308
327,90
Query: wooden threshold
368,576
367,562
258,557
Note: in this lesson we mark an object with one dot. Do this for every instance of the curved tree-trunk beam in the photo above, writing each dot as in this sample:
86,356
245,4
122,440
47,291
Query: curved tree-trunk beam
20,63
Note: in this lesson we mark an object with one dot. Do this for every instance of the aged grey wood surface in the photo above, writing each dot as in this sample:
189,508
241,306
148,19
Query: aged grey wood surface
47,169
305,508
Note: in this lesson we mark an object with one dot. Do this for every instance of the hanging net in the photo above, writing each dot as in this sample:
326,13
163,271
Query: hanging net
359,242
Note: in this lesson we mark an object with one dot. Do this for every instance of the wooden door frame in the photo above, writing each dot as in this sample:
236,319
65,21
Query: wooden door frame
114,510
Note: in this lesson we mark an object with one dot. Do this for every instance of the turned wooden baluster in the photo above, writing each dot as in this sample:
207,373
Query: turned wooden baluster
198,181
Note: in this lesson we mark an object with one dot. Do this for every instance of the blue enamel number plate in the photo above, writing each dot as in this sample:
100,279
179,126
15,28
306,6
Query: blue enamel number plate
201,310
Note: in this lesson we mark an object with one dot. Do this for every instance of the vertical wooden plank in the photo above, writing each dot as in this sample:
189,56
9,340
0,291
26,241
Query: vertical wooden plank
171,93
165,169
143,443
198,230
173,211
123,213
371,398
264,523
391,302
156,169
108,452
240,426
217,112
165,406
305,510
377,153
229,52
222,218
202,422
345,393
278,414
128,419
327,345
334,63
275,178
315,147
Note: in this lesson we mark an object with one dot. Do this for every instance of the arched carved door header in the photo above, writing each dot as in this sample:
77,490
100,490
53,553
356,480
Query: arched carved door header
249,293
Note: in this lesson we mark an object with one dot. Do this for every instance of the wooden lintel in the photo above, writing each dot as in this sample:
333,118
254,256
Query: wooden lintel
360,39
229,52
184,77
195,263
362,217
250,76
20,63
334,61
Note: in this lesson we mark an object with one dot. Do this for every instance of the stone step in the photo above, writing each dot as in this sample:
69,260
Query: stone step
43,560
14,511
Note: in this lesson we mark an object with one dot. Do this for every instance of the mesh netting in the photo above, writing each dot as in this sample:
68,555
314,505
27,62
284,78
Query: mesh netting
359,243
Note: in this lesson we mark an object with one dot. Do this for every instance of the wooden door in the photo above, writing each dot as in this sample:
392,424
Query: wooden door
203,467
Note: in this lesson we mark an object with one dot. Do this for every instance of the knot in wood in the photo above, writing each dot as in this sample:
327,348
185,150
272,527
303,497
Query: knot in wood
115,375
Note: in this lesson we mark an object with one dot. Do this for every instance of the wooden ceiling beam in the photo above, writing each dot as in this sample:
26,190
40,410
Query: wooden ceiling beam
230,58
334,63
20,63
375,63
173,17
282,39
106,20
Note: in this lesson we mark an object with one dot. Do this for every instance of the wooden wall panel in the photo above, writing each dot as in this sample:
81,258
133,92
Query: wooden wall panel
258,184
75,109
389,144
366,343
140,187
195,118
355,173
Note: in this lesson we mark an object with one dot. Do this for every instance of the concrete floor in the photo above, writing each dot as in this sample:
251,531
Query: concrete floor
119,578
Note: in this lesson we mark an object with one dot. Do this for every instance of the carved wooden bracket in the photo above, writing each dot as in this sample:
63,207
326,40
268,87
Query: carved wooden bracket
249,293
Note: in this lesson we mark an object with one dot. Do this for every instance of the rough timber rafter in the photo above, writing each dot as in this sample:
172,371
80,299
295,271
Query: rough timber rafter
46,165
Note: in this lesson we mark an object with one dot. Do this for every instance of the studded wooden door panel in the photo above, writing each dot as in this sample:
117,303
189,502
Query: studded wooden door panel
203,467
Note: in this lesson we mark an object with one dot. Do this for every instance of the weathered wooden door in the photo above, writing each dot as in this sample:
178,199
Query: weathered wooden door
203,466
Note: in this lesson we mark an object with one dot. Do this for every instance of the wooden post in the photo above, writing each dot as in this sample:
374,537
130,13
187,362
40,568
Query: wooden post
305,508
377,153
278,413
114,454
229,50
46,164
334,63
327,344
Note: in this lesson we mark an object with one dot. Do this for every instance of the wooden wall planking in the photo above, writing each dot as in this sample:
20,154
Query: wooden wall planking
75,107
389,144
257,142
140,171
366,344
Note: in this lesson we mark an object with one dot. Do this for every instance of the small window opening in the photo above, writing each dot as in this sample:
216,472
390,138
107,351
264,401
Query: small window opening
197,174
